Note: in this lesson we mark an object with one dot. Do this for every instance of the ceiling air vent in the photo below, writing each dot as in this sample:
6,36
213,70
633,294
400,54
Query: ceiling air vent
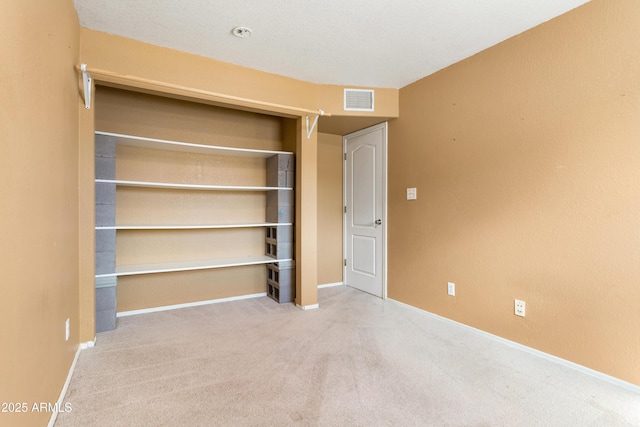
358,100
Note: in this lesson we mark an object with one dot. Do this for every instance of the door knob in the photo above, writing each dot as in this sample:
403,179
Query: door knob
378,221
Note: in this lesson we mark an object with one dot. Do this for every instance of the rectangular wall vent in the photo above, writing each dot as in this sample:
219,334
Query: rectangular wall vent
358,100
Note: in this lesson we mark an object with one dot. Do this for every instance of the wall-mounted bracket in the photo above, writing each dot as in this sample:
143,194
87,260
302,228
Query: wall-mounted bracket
86,78
315,122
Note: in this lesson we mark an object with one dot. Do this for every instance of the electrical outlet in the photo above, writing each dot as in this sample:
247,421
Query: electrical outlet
519,308
66,330
412,193
451,289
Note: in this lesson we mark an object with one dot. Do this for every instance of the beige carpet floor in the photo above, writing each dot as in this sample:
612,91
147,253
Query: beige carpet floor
355,361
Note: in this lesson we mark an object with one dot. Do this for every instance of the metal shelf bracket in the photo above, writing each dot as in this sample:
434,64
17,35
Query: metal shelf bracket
315,122
86,78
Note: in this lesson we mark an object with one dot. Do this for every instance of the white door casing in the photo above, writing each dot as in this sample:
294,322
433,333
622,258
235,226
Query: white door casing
365,216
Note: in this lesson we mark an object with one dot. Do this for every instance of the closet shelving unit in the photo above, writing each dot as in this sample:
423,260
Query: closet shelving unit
107,272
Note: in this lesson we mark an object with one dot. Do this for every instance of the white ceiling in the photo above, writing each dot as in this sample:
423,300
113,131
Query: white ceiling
374,43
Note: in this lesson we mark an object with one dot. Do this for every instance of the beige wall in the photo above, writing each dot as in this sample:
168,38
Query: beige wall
39,212
526,158
330,202
134,113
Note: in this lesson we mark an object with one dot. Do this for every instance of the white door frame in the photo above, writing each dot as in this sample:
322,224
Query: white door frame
384,126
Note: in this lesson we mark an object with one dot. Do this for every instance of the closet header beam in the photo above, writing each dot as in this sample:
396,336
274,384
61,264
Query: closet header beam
188,92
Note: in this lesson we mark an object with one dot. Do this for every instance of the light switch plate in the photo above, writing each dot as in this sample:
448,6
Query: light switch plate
412,193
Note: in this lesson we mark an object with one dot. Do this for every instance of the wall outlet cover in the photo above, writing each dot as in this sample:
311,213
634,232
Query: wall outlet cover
451,289
519,308
412,193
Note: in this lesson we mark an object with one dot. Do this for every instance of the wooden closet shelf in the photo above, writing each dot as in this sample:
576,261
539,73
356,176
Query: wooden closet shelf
167,267
163,144
170,185
191,227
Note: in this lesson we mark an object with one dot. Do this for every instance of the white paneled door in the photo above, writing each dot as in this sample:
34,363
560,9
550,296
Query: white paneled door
365,202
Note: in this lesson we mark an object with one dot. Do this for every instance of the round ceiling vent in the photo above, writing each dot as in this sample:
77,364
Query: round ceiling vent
242,32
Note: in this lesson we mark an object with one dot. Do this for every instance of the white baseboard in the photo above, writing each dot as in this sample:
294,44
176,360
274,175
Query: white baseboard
588,371
189,304
308,307
215,301
330,285
88,344
60,402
